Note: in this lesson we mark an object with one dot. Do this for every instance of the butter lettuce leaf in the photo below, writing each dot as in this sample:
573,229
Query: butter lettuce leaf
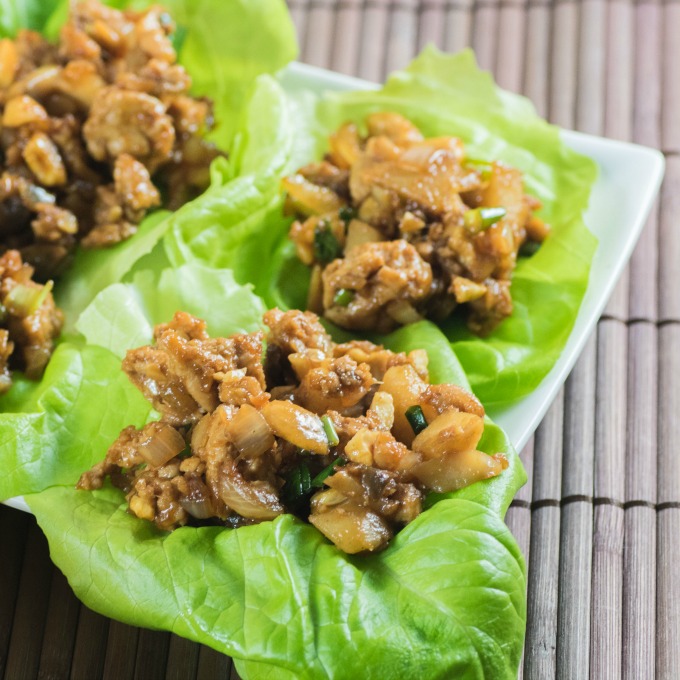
445,599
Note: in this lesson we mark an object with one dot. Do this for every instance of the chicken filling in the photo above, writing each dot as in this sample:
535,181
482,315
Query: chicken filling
91,129
349,436
397,227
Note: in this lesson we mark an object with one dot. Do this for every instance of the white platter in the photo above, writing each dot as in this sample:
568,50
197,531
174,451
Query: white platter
628,182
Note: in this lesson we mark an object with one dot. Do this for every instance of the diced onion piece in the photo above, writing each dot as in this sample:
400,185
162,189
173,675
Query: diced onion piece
451,432
359,448
311,199
466,290
405,386
162,444
197,502
352,528
296,425
253,500
315,294
359,232
22,110
410,223
403,312
250,433
382,409
455,471
345,146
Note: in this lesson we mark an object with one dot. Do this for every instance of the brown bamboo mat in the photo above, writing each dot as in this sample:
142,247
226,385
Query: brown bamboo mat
599,520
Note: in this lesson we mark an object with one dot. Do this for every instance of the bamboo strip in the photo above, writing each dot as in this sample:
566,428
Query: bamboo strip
668,595
60,629
402,35
606,597
212,664
670,129
547,461
89,651
536,83
346,45
639,590
591,73
121,650
13,529
544,547
298,13
610,437
639,594
564,63
618,109
432,23
668,488
541,636
510,51
152,654
610,410
668,521
484,33
573,616
458,30
643,294
648,74
641,456
573,638
373,41
579,424
669,236
182,660
319,35
23,655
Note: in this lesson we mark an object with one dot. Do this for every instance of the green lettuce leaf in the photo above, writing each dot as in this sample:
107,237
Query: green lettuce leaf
445,599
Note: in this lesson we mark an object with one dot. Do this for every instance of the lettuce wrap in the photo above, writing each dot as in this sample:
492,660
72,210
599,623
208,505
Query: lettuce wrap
445,599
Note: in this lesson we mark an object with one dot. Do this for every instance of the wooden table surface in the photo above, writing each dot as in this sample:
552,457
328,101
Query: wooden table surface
599,520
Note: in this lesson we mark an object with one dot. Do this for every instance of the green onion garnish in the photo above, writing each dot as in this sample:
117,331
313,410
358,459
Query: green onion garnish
484,168
347,213
416,418
326,246
479,219
327,472
297,487
329,429
529,248
343,297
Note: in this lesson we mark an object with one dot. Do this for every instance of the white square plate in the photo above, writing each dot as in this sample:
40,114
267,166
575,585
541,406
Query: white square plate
628,181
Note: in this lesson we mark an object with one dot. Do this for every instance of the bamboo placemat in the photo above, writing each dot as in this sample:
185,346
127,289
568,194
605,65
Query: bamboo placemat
599,520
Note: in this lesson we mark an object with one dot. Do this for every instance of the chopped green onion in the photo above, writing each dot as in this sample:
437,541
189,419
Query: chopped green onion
343,297
529,248
178,37
416,418
479,219
327,472
484,168
26,300
347,213
326,246
297,487
329,429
